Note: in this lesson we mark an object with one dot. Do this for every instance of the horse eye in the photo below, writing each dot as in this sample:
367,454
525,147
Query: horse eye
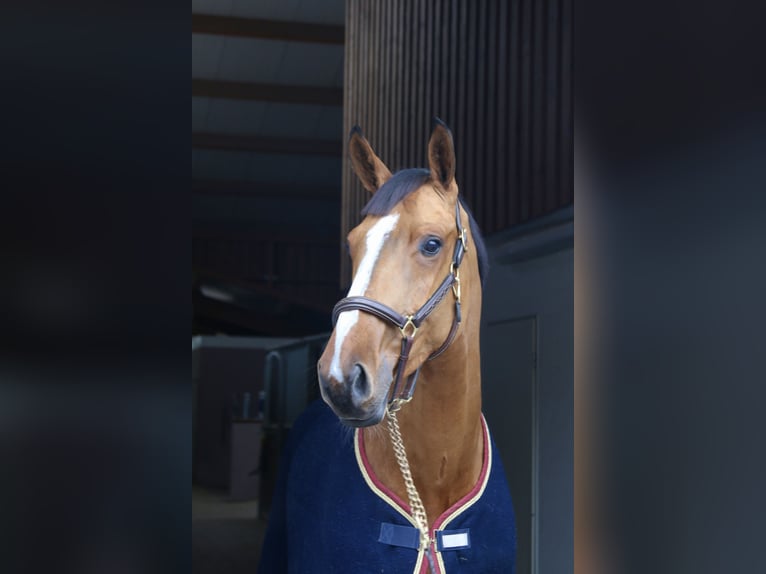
431,246
348,247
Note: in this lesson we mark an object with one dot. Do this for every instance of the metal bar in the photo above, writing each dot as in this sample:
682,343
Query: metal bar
262,189
267,29
318,95
266,145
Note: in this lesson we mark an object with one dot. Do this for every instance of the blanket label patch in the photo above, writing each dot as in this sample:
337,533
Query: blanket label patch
397,535
453,539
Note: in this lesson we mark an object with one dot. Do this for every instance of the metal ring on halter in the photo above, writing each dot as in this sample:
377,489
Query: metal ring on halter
396,404
409,323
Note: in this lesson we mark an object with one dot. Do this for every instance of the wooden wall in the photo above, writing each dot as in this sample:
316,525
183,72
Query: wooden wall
499,73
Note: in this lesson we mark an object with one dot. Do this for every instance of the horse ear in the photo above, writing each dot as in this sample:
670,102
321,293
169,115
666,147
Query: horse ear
441,154
368,167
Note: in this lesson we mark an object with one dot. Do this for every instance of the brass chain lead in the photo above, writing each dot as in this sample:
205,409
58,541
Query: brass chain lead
416,504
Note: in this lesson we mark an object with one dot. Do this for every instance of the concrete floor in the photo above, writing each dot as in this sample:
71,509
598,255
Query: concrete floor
226,535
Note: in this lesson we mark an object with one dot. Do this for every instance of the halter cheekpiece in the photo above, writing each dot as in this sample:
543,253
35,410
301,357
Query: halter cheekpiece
409,324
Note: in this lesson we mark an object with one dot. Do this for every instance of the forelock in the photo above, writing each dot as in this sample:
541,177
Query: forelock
402,184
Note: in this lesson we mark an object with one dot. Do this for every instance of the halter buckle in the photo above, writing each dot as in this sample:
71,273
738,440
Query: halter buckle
456,283
410,324
463,238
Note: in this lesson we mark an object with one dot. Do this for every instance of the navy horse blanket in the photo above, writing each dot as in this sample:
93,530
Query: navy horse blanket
330,513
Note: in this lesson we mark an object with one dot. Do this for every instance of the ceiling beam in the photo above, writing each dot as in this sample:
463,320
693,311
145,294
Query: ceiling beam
267,145
319,297
220,315
259,189
224,231
317,95
268,29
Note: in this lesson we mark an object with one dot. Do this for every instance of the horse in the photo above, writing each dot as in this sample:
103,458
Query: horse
426,491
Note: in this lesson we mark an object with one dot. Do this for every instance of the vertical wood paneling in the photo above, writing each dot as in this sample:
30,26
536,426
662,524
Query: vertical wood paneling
525,85
513,179
565,157
498,72
500,215
480,126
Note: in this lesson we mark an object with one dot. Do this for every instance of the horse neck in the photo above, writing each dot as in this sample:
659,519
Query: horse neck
441,427
447,405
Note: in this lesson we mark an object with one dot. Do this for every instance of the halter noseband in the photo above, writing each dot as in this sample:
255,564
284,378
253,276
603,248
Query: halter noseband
409,324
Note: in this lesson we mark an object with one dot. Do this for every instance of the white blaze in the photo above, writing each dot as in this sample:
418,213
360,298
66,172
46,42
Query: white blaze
374,241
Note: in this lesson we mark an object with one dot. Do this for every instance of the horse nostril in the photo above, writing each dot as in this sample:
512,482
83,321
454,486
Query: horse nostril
360,386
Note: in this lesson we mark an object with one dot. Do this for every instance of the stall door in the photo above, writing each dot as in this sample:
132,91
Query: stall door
509,404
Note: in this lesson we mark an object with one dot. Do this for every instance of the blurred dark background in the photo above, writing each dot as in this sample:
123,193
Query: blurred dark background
94,381
671,141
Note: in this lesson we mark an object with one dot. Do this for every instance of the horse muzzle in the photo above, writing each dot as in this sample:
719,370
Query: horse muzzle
352,399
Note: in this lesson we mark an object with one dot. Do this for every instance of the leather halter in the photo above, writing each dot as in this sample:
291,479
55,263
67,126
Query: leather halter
409,324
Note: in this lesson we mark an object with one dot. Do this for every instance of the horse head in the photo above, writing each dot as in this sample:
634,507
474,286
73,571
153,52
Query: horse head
401,253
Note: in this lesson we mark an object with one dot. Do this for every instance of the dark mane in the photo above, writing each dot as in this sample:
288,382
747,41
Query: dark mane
403,183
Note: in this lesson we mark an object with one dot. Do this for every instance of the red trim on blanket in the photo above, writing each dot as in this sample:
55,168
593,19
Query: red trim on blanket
374,477
406,507
476,487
